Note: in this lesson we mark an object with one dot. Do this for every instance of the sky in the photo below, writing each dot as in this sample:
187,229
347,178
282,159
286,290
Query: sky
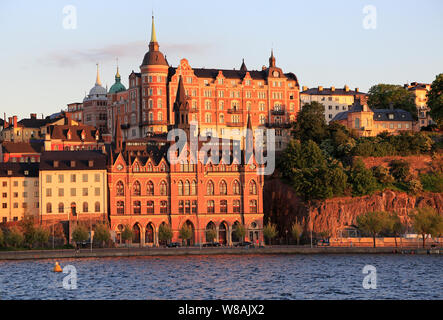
44,66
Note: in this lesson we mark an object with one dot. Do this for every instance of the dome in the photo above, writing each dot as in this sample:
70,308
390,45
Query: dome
154,58
117,87
97,90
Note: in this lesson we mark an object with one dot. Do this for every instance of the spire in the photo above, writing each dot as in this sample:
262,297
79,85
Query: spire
117,75
249,141
181,95
97,80
243,66
272,59
153,36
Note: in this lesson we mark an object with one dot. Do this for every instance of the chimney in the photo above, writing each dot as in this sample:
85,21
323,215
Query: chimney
304,88
346,88
332,89
14,118
33,115
263,68
320,88
356,89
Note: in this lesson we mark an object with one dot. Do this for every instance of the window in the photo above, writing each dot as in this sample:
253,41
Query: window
61,192
73,192
61,207
194,188
223,188
73,178
187,206
180,188
150,207
97,192
136,189
85,177
236,206
97,206
120,189
120,207
85,192
252,187
194,206
210,188
211,206
97,177
48,192
85,207
61,178
48,207
181,206
163,189
48,178
187,188
164,207
236,188
253,206
223,206
150,188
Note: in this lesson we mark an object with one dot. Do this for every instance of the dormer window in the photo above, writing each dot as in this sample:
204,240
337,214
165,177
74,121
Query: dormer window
9,172
72,164
26,172
55,163
391,116
91,163
83,135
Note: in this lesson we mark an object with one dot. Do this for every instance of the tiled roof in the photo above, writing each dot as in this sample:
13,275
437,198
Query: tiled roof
34,123
64,159
61,132
18,169
22,147
379,114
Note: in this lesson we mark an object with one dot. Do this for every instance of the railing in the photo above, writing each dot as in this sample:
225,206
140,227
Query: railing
278,125
153,122
235,124
278,112
235,111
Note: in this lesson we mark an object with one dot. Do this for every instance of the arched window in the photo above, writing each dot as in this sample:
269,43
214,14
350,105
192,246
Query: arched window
85,206
120,189
120,207
150,188
74,208
252,187
163,167
223,188
136,188
163,188
149,234
149,167
187,187
49,207
97,206
210,188
180,188
61,207
236,187
194,188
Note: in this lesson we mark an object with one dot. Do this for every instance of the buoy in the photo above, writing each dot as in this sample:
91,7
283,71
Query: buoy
57,267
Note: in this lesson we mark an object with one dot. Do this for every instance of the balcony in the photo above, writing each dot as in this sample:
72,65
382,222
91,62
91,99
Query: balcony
278,111
235,111
235,124
153,123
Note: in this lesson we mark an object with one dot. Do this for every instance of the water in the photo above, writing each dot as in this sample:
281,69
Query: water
228,277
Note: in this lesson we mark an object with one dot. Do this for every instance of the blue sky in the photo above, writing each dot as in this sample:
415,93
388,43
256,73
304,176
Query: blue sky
44,66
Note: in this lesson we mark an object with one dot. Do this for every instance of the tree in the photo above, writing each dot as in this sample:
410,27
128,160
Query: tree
373,223
426,221
2,238
435,99
363,182
28,228
270,232
164,233
296,231
80,234
383,96
211,234
240,231
400,170
381,173
185,233
41,236
395,226
102,233
126,234
311,123
14,237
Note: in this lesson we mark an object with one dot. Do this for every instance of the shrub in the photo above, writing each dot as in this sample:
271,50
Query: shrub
432,182
296,231
240,231
373,223
14,237
270,232
400,170
127,233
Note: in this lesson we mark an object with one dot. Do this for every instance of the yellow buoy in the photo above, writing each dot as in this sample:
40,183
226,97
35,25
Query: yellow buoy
57,267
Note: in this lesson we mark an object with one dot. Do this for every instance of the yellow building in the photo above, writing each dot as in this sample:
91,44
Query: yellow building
420,91
19,191
73,186
368,123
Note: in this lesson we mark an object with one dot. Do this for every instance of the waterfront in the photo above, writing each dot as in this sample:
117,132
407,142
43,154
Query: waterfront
227,277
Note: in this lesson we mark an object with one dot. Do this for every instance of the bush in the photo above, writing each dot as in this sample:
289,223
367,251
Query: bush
432,182
14,237
414,186
382,175
270,232
127,233
240,231
400,170
296,231
2,238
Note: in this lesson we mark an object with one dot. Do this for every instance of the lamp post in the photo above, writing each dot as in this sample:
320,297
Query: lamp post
310,220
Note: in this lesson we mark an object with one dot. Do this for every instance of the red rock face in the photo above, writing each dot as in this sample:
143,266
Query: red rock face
283,207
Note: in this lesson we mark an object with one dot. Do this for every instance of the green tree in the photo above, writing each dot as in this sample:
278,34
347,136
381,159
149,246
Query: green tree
211,235
381,173
240,231
427,221
373,223
185,233
395,226
311,123
2,238
363,182
435,99
41,236
164,233
102,234
14,237
127,234
382,96
270,232
80,234
28,227
296,231
400,170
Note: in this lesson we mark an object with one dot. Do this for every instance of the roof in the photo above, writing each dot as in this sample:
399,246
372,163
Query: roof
18,169
34,122
329,92
64,159
232,74
61,132
379,114
154,58
22,147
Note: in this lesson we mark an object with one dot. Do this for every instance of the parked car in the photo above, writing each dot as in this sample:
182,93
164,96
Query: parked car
211,244
244,244
323,242
173,245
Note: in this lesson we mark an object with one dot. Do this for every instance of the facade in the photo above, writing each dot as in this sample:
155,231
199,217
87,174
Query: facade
73,186
20,151
24,130
75,111
94,106
420,91
335,100
368,123
220,99
19,188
